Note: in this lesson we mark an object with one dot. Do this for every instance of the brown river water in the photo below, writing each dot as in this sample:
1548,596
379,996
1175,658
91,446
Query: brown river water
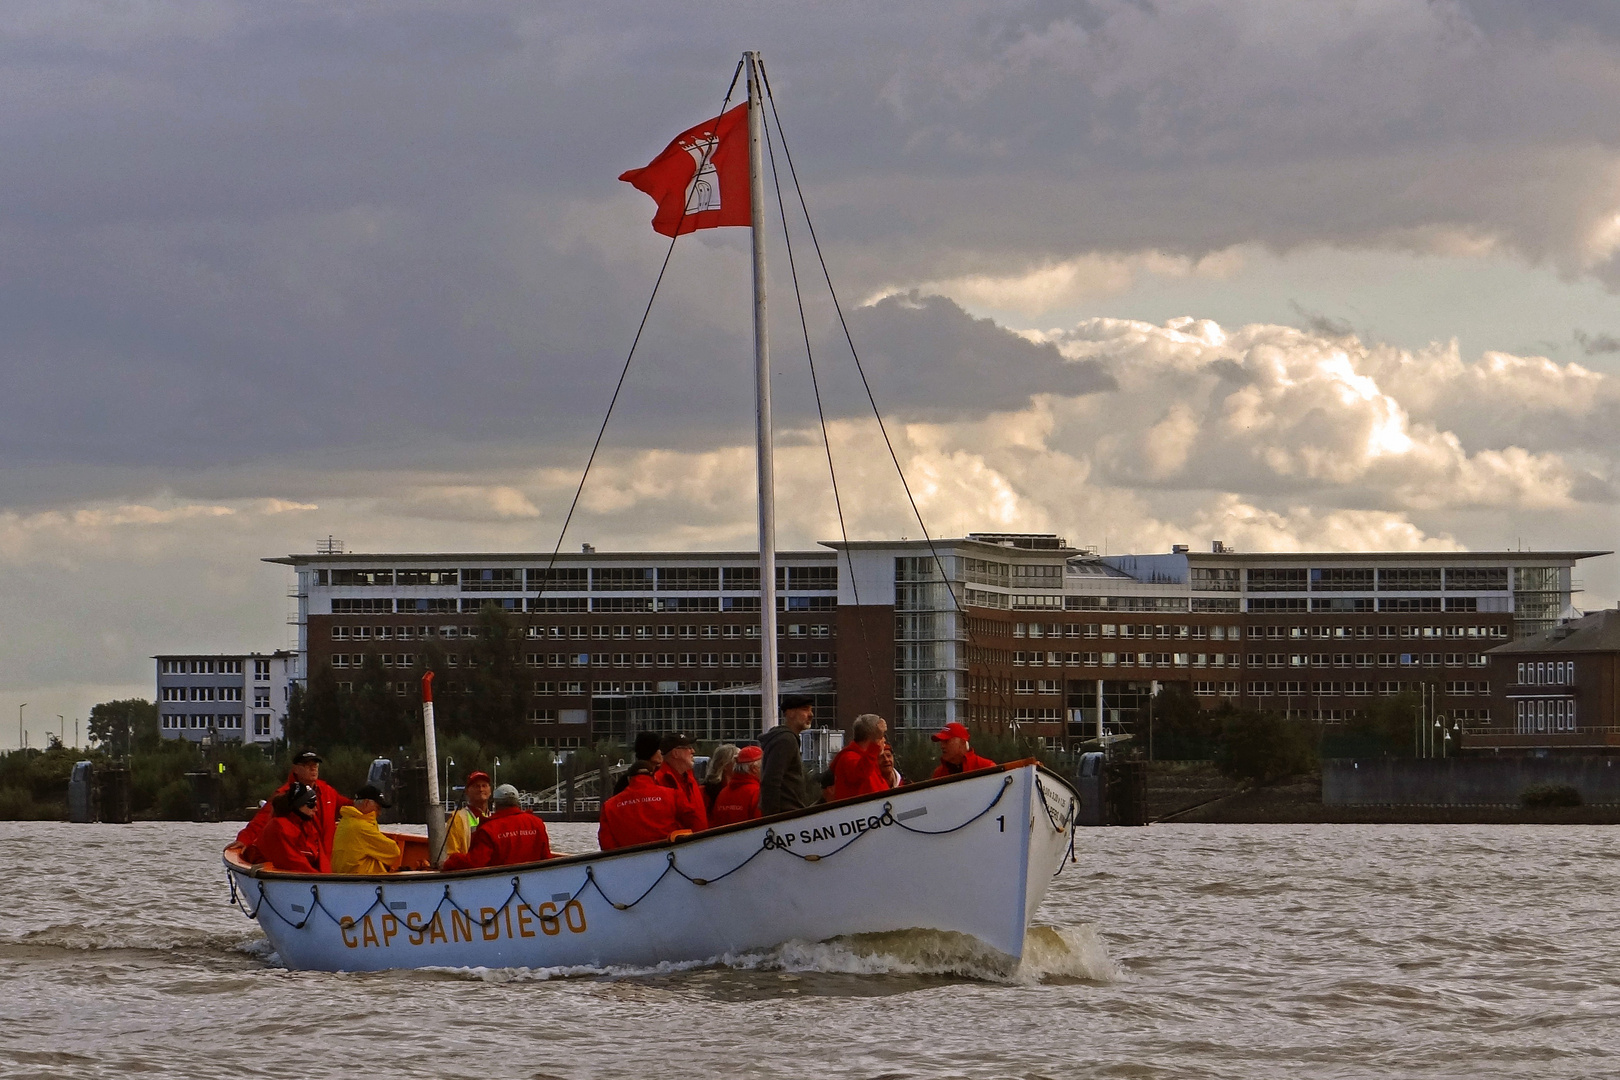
1256,951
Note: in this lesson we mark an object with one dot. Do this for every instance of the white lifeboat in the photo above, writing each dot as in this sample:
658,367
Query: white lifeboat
971,854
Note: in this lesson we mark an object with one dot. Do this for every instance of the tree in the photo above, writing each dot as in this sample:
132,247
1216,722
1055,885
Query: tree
1182,729
125,725
375,716
1263,747
1384,729
315,714
497,704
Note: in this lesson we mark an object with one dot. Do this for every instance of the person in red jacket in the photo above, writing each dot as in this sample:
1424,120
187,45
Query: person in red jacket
676,773
739,799
291,839
956,756
510,835
645,812
306,770
859,767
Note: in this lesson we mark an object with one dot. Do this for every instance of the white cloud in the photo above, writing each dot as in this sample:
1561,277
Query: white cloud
1267,409
1060,283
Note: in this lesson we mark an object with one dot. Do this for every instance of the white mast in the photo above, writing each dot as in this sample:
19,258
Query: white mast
762,397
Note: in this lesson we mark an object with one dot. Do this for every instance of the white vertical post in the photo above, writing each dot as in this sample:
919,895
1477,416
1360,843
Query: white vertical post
762,397
435,807
1099,713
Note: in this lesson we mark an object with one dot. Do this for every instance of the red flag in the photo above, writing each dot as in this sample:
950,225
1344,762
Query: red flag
705,172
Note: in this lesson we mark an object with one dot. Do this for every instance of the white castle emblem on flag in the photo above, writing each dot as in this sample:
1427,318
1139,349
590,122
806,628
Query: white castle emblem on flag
703,193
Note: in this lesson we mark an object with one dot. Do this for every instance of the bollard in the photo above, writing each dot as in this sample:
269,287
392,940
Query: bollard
1091,780
82,793
113,784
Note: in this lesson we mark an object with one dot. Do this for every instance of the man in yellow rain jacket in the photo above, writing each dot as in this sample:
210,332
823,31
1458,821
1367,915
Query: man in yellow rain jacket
359,846
464,822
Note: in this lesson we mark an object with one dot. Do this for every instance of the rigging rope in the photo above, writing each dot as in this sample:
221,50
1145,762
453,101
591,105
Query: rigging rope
708,149
815,385
871,398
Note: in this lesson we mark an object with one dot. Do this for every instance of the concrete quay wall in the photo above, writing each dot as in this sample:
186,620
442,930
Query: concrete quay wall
1483,781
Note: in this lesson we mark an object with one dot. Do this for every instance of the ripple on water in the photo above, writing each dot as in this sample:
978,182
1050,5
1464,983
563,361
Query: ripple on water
1253,952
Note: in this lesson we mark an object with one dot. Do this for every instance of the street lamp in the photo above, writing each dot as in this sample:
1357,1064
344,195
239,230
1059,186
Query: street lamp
20,738
61,730
497,772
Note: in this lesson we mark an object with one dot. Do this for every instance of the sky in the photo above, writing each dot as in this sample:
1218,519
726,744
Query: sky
1334,276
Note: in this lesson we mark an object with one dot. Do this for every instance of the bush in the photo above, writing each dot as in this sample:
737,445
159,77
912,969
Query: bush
1550,795
1262,747
173,802
17,805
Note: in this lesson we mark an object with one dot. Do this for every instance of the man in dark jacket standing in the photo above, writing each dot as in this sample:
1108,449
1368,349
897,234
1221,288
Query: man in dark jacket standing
781,774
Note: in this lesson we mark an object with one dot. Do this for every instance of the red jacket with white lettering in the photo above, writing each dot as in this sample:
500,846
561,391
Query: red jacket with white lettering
328,801
645,812
737,801
855,770
971,762
292,842
690,792
510,835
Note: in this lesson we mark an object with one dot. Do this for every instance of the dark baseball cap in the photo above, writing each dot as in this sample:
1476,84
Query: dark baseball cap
302,795
797,701
647,743
306,757
674,740
374,793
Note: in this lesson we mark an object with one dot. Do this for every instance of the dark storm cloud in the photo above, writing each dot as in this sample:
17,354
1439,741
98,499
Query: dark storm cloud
1597,344
929,358
246,232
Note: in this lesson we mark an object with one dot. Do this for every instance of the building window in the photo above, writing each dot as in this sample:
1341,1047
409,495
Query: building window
574,579
1339,579
1476,578
1276,580
1409,579
1214,579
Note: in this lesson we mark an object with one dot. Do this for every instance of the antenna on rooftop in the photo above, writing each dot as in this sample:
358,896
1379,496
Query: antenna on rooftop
330,546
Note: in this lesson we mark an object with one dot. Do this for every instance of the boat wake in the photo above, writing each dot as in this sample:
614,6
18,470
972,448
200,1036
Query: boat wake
1052,954
77,937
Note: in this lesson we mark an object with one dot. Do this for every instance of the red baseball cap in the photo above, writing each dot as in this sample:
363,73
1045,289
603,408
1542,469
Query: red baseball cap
950,731
473,776
749,753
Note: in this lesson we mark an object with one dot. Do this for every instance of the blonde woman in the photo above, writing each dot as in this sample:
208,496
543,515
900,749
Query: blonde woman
722,762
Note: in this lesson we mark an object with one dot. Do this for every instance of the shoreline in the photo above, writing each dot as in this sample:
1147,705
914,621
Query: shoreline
1195,794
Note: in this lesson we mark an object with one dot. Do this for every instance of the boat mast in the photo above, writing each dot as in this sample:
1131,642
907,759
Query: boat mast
762,397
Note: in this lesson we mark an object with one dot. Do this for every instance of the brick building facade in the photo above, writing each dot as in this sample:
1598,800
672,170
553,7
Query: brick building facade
990,630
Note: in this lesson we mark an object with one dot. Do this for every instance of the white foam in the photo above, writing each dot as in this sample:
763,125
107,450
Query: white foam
1050,952
140,936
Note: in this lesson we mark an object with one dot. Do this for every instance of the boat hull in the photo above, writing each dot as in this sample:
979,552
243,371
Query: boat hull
971,854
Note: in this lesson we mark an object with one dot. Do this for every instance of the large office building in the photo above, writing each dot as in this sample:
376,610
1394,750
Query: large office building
989,629
240,697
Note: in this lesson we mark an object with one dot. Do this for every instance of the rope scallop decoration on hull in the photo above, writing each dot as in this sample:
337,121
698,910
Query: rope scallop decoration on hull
973,854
